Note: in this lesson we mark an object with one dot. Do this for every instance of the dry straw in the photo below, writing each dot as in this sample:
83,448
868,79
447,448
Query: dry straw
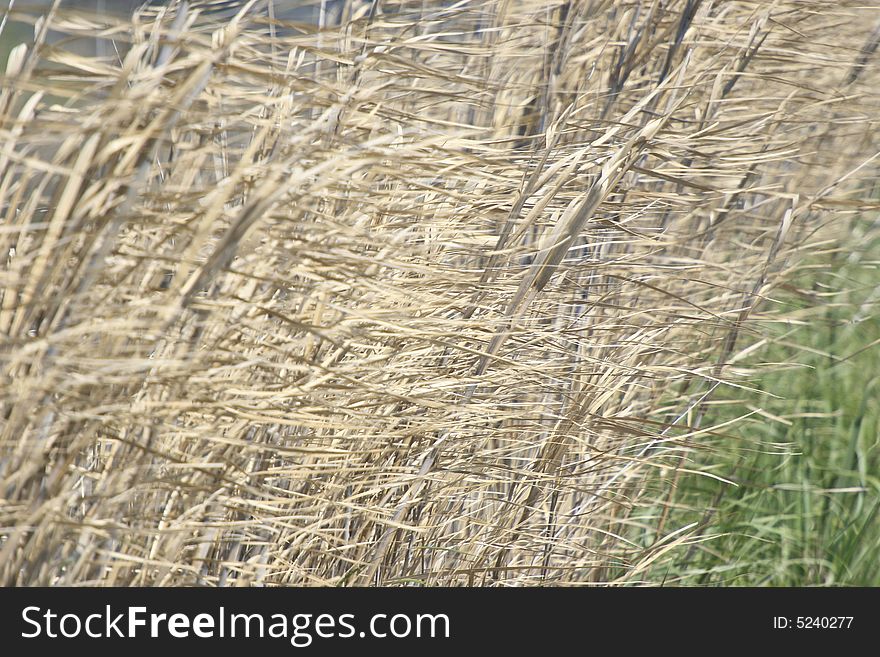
413,294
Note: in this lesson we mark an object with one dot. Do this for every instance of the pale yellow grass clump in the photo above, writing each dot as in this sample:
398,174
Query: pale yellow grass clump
412,296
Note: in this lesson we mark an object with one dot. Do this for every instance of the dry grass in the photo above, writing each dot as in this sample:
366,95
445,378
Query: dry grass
416,297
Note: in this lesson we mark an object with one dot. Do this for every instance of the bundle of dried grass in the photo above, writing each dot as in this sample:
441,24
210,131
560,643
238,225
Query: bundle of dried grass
413,295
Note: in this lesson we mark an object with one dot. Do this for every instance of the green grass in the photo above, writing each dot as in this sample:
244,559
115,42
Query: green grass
805,507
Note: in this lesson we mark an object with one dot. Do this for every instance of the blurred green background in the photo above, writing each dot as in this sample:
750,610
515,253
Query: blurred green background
803,504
